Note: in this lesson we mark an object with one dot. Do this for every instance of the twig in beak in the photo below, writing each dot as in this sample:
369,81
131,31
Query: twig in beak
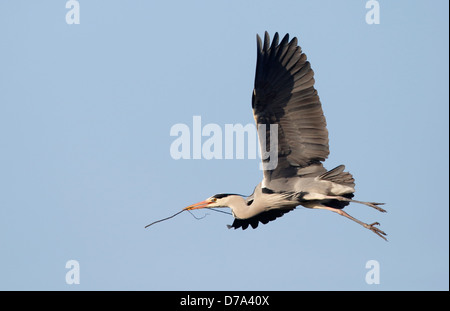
165,218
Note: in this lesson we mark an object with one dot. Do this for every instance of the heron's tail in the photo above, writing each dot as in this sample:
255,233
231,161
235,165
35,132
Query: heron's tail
337,175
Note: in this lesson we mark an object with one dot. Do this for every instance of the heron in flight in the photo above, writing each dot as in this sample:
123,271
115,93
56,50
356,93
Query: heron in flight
284,95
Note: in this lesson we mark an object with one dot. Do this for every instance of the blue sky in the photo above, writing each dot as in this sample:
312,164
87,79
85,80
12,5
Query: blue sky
85,118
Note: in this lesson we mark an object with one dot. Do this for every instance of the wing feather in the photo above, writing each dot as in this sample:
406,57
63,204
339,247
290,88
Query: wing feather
263,218
284,94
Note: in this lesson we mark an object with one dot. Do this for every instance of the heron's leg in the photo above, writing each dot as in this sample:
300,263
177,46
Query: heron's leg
368,226
371,204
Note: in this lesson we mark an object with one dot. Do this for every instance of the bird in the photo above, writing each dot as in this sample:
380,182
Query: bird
284,95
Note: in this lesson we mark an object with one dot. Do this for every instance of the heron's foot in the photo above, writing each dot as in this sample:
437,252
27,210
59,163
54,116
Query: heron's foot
375,230
376,206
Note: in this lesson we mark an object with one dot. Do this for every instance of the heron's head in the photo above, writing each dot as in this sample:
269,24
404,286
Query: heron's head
217,200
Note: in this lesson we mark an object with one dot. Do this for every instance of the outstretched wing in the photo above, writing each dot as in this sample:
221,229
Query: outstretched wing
284,94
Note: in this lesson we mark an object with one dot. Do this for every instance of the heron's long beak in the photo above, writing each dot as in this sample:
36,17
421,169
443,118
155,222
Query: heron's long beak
198,205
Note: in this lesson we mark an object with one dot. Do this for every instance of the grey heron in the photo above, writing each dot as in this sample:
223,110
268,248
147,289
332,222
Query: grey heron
284,94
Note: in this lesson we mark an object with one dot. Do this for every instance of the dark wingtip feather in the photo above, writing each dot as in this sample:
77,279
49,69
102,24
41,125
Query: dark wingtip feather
285,39
274,41
266,41
294,42
259,43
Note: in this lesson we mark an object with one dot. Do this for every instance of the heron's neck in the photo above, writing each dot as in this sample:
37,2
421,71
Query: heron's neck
240,208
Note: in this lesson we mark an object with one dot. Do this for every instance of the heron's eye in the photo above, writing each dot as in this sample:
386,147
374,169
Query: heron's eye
213,200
